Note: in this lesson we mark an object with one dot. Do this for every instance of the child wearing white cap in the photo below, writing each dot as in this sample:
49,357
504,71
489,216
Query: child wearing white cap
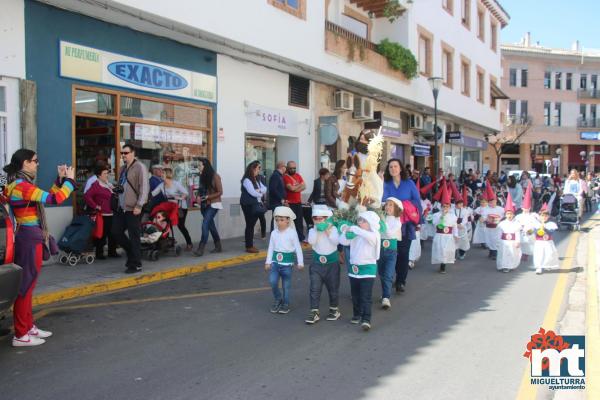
545,255
386,264
284,251
325,266
364,241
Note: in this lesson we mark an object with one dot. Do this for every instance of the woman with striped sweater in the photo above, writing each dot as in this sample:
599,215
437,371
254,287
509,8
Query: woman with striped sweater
27,202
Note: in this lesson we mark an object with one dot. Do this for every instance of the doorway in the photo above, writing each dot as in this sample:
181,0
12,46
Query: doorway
263,149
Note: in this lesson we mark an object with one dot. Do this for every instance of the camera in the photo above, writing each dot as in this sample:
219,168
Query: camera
118,189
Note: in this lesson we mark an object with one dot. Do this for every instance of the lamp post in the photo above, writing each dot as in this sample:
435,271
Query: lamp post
435,83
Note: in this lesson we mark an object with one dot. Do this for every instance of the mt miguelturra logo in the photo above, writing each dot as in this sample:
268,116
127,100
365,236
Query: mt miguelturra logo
147,75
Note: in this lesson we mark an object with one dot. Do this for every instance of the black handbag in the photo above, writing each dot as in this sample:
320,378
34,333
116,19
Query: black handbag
258,209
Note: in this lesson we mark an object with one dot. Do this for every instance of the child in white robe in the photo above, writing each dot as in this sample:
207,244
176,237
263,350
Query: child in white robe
509,239
545,255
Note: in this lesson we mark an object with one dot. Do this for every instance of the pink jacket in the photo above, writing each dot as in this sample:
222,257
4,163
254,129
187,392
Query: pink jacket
98,195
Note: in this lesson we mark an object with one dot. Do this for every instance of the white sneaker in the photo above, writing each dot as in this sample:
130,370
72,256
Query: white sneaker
27,340
385,303
35,331
538,271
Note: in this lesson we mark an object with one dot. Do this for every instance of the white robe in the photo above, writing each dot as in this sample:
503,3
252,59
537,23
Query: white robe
527,222
414,253
425,228
509,251
545,255
429,225
443,249
469,211
479,232
491,234
463,234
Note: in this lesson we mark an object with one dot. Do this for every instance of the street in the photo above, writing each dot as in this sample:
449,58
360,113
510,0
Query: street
211,336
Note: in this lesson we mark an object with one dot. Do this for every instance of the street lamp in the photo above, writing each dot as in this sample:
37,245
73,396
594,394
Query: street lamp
435,83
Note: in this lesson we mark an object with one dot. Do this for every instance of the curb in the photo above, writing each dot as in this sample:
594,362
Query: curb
143,279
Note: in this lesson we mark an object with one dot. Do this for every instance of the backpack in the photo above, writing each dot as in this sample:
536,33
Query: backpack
410,213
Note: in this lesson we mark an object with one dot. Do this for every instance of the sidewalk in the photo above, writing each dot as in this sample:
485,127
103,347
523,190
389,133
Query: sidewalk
63,282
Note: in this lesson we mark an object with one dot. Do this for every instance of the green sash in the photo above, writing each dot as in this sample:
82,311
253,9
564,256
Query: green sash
284,258
326,259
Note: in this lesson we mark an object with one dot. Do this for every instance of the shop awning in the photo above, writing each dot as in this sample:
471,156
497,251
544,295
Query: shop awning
496,93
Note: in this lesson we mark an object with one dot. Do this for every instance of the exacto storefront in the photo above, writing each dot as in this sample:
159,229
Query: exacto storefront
100,85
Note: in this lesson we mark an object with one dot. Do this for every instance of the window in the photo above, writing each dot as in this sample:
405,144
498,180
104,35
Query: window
541,149
557,114
569,79
492,98
557,82
447,65
594,82
465,77
547,79
494,33
512,108
524,111
523,78
294,7
547,113
583,82
466,13
480,85
2,99
425,52
480,24
355,26
448,5
582,111
513,77
593,113
299,89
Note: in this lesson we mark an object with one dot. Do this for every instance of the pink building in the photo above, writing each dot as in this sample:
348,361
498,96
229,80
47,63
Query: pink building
555,93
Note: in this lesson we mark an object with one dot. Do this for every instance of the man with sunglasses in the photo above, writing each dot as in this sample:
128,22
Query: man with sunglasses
134,181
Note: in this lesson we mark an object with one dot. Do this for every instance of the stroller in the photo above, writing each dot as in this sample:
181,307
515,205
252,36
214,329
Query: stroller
568,213
74,244
157,240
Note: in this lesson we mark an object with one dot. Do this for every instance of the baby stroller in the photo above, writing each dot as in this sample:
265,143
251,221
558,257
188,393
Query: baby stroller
157,240
74,244
568,212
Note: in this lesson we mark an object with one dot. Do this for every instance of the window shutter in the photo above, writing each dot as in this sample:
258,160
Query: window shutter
299,91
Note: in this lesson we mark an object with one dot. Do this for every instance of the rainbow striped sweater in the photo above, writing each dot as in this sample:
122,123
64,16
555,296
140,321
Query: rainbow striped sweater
23,196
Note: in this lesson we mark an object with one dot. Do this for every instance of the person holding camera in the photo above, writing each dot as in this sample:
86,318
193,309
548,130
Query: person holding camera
133,191
33,242
98,198
210,204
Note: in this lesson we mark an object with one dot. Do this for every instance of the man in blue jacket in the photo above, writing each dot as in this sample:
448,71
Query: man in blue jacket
277,188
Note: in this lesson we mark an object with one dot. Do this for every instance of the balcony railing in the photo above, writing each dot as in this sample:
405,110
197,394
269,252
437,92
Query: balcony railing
345,33
514,119
588,122
588,93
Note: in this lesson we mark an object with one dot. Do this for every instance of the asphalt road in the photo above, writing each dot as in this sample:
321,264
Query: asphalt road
453,336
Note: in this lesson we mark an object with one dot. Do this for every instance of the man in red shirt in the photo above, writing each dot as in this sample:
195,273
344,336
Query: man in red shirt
294,185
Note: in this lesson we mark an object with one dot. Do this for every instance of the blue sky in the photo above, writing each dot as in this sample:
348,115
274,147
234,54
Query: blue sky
554,23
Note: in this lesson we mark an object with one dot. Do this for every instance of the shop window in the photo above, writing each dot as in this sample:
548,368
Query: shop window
294,7
94,103
263,149
299,89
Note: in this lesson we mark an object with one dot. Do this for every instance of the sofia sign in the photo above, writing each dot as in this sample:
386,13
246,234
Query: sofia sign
89,64
263,119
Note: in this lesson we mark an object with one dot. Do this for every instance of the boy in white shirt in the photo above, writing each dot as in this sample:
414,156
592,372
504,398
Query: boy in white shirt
325,266
386,264
284,251
364,241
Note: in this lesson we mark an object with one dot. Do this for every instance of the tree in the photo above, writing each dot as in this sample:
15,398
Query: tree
514,130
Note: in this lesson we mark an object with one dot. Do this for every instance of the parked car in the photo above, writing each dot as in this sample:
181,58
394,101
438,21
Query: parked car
10,274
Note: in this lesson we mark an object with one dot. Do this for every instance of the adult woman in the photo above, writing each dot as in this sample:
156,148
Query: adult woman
251,201
576,186
525,180
27,203
516,191
176,193
335,183
209,206
589,181
397,183
98,198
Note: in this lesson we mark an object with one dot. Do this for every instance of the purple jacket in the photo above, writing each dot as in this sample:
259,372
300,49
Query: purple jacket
98,195
26,241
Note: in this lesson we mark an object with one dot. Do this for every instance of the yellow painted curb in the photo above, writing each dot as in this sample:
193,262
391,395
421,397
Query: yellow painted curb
592,328
143,279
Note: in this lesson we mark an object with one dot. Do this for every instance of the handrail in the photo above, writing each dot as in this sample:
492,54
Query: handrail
338,30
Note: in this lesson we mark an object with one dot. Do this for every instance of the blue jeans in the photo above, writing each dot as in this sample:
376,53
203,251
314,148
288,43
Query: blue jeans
386,265
362,297
208,224
285,273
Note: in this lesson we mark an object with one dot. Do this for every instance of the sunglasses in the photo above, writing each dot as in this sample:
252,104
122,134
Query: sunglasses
124,153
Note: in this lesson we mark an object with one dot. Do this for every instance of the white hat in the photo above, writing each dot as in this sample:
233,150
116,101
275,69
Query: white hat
372,218
397,202
158,166
321,210
282,211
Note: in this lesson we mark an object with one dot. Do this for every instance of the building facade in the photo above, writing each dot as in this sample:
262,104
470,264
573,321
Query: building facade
269,80
554,98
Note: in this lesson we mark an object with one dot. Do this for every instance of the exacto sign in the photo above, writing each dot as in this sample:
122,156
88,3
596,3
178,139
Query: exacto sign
147,75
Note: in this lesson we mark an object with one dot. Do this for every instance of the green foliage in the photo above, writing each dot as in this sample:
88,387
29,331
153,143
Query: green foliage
399,57
393,10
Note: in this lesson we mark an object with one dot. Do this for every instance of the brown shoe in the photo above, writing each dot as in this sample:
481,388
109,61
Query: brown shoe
252,249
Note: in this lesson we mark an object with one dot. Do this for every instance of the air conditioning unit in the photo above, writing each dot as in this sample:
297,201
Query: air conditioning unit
427,132
343,100
415,122
363,108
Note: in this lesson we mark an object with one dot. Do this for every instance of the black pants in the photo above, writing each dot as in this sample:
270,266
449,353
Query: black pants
263,225
328,275
250,224
297,209
106,235
402,261
588,203
182,228
362,297
272,219
126,221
